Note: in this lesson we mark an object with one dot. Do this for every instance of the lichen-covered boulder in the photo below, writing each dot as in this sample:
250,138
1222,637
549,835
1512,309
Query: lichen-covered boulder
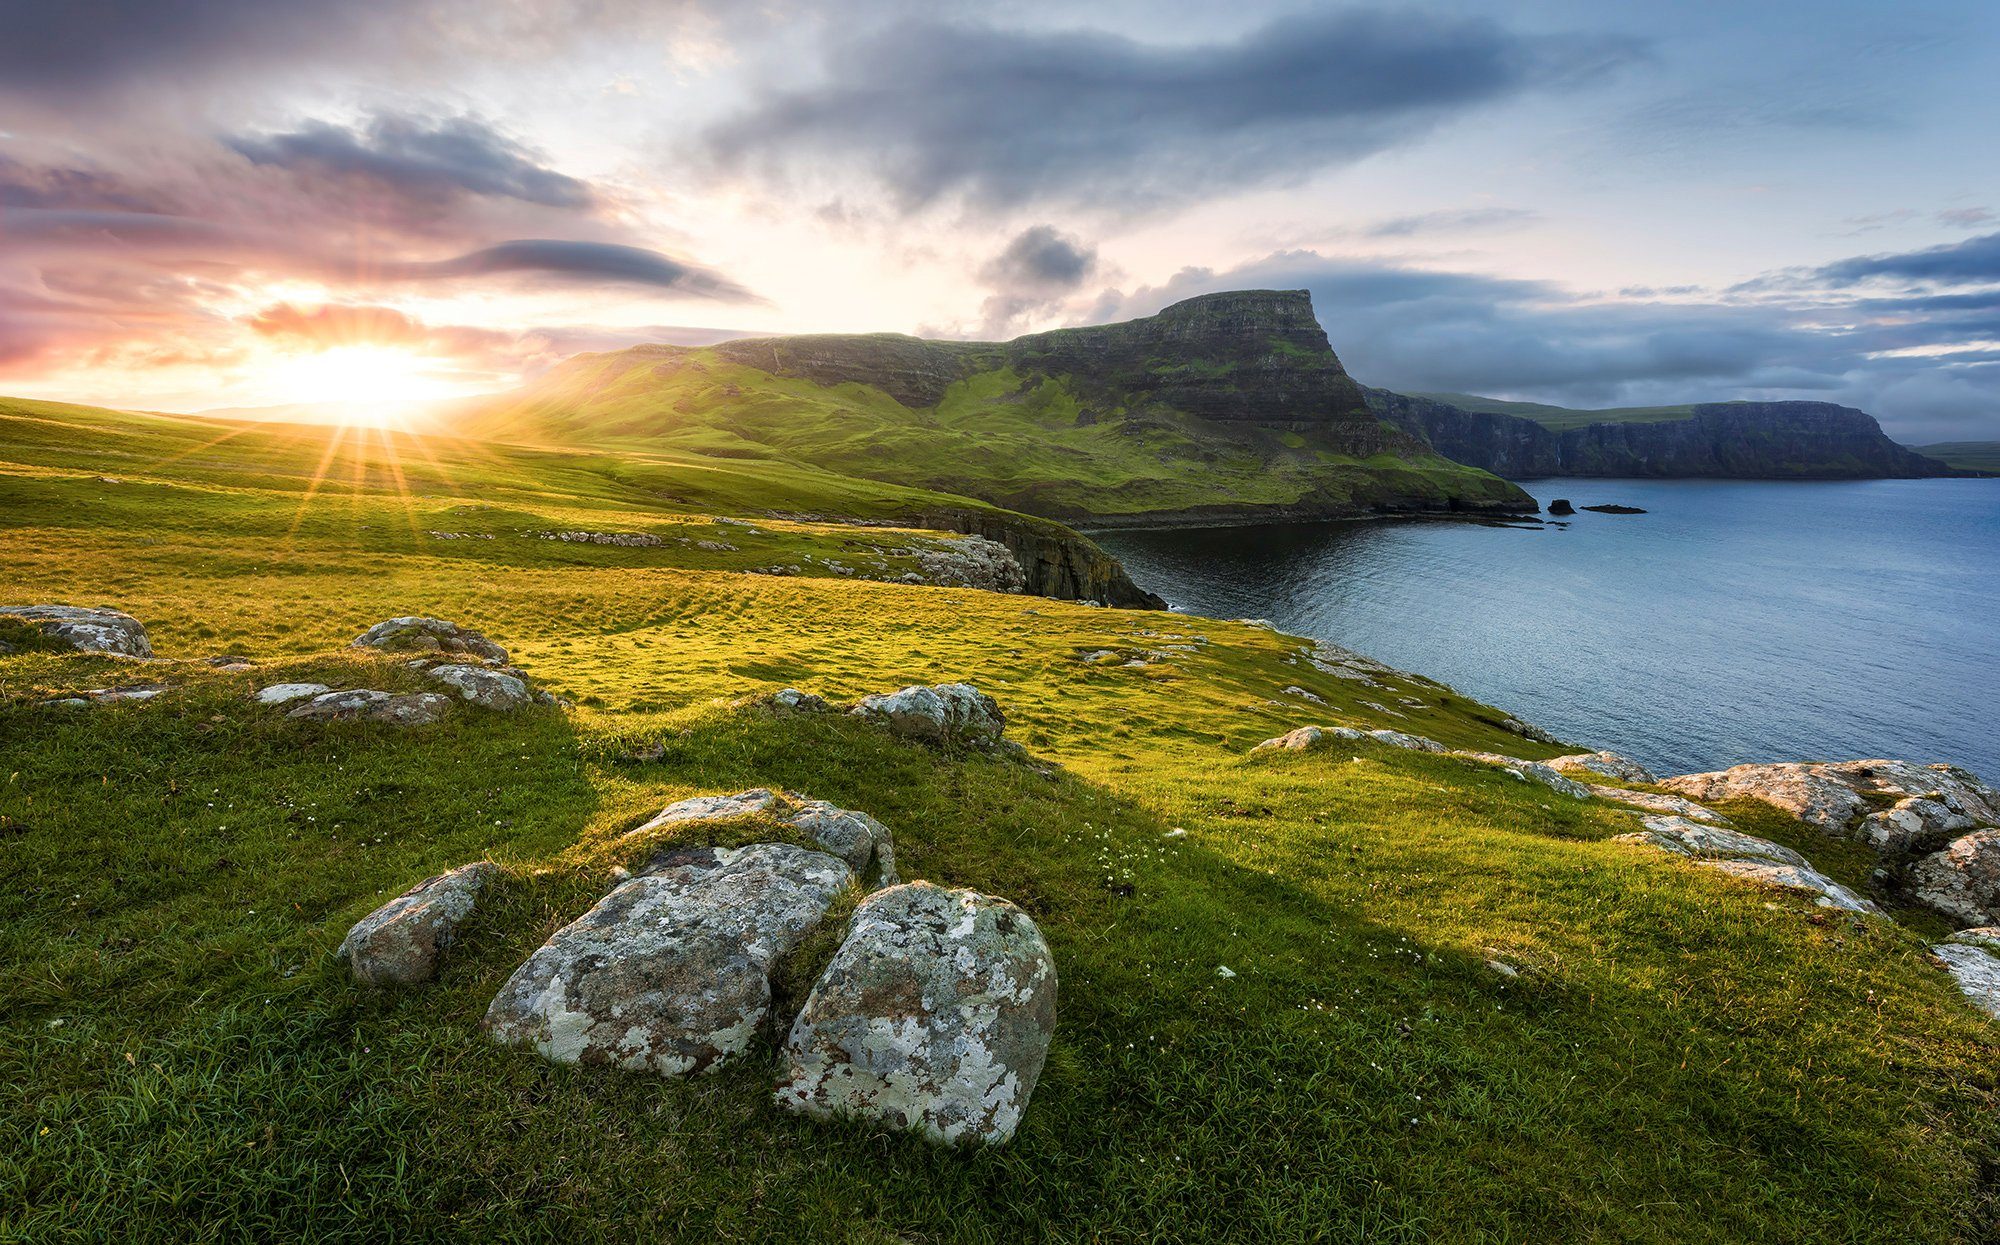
1962,881
1531,771
855,837
1975,966
1605,764
670,972
1929,803
935,1015
489,689
366,704
948,713
413,634
1400,739
400,943
85,630
1306,738
285,693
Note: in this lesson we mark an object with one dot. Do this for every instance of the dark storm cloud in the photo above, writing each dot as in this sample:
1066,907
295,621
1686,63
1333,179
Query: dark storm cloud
1974,259
1004,117
1426,330
434,160
588,262
1033,273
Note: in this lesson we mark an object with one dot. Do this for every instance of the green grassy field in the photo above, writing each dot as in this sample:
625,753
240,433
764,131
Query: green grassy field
1682,1058
1563,418
1970,455
1013,440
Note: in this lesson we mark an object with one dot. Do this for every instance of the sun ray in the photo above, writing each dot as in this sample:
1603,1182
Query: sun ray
312,487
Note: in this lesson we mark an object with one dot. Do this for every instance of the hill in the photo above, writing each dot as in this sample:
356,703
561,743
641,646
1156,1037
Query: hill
1735,440
1455,1007
1981,456
1228,406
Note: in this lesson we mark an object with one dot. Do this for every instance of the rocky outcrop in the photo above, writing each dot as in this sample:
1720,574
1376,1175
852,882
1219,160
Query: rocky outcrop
366,704
1309,737
82,629
1605,764
1743,440
949,714
670,972
973,562
413,634
1053,560
1962,881
1653,802
1926,803
1975,967
1750,858
856,838
400,943
935,1015
1530,771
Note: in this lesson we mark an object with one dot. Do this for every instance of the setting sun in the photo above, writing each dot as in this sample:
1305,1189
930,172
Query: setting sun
360,385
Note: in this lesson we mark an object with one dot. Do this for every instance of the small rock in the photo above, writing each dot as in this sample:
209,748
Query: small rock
280,693
400,942
1531,771
1308,737
412,634
1301,693
1976,969
1561,506
85,630
489,689
670,972
411,709
948,713
855,837
1415,743
1224,971
792,700
935,1014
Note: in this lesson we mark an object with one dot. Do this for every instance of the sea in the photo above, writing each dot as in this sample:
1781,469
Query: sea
1733,621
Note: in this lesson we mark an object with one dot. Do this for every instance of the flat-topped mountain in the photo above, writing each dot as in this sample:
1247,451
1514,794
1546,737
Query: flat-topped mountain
1740,440
1228,406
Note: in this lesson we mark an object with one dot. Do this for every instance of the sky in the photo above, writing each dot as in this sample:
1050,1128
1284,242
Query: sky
232,203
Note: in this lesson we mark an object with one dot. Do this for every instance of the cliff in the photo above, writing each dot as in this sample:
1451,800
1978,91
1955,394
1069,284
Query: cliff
1740,440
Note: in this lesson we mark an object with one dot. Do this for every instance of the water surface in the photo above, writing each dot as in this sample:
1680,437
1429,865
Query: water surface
1735,621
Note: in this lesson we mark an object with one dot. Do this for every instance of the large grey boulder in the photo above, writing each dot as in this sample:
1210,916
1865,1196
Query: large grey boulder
1748,857
1603,764
935,1015
947,713
1928,803
85,630
399,943
1306,738
366,704
1976,968
670,972
855,837
415,634
1962,881
489,689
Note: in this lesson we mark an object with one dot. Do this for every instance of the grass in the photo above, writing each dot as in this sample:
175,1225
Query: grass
1684,1057
1970,455
1564,418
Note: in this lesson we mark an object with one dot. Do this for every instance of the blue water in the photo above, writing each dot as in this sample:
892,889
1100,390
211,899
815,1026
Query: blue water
1735,621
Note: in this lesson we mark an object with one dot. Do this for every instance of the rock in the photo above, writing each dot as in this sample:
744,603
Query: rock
1652,802
1301,693
412,634
1794,877
1692,838
792,700
281,693
948,713
1415,743
489,689
85,630
670,972
1307,737
1987,936
411,709
121,695
966,562
400,942
855,837
1931,802
1515,726
935,1015
1615,509
1533,771
1561,506
1976,969
1963,880
1609,764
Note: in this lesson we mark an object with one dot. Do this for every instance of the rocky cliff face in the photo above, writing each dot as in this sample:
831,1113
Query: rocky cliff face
1056,561
1740,440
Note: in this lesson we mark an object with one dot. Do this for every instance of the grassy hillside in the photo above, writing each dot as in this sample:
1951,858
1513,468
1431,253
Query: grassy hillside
1051,425
1970,455
1682,1057
1562,418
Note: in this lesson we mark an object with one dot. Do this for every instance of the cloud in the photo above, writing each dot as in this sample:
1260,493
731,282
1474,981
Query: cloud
422,159
1450,220
1416,330
1974,259
590,262
1008,117
1034,272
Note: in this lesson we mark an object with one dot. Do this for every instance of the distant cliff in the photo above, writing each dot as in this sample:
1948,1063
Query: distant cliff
1741,440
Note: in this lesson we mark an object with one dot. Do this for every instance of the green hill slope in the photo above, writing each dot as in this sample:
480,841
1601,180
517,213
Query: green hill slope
1681,1056
1226,406
1562,418
1968,455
